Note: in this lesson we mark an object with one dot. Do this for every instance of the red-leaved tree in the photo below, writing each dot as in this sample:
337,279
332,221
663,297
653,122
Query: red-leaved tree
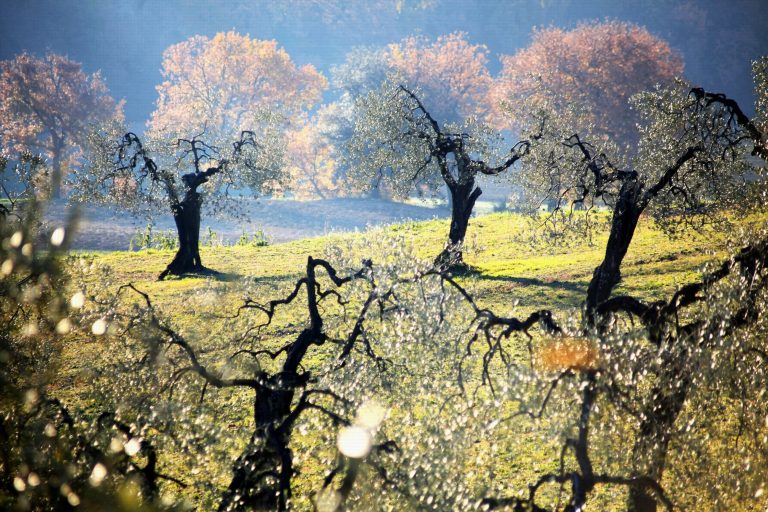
596,66
47,106
451,72
230,83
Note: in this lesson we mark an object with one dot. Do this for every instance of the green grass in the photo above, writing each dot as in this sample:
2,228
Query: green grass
511,277
508,269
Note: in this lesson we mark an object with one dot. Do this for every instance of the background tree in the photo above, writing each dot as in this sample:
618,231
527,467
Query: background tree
397,140
311,161
450,73
147,179
597,66
47,106
230,83
692,161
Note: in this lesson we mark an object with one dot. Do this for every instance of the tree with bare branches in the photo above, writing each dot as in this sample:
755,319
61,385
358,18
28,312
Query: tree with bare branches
122,170
396,139
263,474
695,158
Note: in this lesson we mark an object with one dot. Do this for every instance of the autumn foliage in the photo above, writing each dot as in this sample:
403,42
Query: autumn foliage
311,163
229,83
596,66
47,106
451,72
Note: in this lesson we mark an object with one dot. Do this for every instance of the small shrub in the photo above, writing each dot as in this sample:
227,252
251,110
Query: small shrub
213,240
258,239
150,239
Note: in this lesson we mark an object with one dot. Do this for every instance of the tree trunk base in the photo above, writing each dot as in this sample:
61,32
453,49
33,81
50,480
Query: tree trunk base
179,271
453,263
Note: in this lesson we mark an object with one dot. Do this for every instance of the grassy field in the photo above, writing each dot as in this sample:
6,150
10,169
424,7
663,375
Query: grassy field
512,277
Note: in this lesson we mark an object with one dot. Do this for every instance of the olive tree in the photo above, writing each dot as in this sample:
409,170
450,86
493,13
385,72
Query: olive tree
703,369
396,139
311,382
662,409
450,72
178,176
401,389
693,160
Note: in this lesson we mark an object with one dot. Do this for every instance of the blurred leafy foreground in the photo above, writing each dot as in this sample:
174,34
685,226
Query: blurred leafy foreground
346,372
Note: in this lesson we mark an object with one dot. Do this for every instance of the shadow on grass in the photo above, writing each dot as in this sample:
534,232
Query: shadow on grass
233,277
570,286
206,273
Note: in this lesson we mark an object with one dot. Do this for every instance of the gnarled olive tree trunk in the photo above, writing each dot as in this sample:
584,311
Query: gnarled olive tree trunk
186,215
263,472
463,198
607,275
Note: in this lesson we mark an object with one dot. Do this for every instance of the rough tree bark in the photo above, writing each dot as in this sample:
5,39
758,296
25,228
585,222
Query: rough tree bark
607,275
655,431
186,216
262,473
463,199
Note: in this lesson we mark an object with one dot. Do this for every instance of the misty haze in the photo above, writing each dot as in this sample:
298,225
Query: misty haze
384,255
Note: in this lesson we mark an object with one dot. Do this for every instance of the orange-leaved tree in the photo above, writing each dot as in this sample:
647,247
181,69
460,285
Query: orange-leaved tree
47,106
451,72
311,161
596,66
230,83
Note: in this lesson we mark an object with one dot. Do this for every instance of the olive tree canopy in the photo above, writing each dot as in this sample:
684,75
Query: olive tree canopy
397,140
696,157
178,176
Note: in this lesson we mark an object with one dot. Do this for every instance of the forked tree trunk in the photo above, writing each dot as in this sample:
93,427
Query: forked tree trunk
623,224
463,198
186,215
263,472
